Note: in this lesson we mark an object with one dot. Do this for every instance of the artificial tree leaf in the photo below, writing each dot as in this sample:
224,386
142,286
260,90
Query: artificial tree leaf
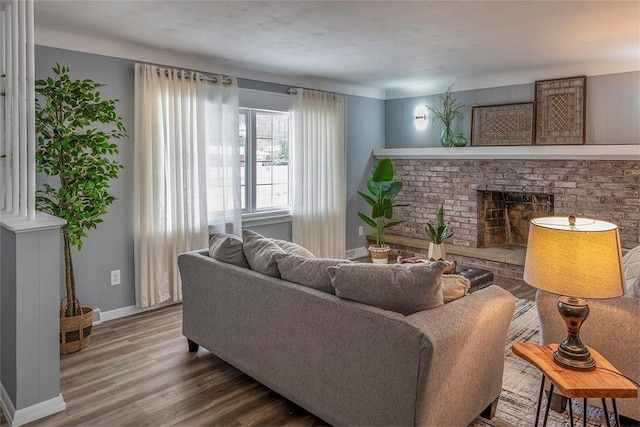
369,221
382,170
391,224
394,189
367,199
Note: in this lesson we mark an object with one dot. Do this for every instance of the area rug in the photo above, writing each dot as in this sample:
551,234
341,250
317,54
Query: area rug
521,381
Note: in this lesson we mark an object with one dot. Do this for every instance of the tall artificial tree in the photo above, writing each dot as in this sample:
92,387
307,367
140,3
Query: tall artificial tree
76,129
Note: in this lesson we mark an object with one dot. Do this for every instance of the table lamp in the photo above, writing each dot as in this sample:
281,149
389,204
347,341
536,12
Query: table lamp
576,258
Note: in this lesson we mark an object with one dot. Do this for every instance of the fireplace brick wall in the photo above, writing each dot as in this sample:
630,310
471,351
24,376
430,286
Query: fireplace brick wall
606,190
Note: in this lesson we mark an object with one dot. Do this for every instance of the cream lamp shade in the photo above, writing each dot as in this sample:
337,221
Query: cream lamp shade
581,259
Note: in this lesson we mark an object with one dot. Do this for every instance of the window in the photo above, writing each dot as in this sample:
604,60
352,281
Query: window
264,160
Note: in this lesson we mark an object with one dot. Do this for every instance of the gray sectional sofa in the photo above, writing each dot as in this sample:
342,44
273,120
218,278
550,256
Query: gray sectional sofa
346,362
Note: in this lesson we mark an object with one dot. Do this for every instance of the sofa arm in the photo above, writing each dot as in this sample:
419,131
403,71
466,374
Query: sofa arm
612,328
466,342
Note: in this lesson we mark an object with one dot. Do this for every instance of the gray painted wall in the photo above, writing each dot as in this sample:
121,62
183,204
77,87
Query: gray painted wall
613,106
365,132
110,246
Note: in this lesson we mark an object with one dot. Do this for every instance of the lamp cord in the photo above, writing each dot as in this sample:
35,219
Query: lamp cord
612,371
619,374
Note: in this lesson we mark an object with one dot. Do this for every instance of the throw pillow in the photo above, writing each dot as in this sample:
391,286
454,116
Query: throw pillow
633,289
260,252
454,286
403,288
227,248
311,272
631,263
293,248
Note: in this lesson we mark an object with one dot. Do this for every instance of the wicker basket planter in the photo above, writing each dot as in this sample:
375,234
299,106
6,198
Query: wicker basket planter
75,330
379,254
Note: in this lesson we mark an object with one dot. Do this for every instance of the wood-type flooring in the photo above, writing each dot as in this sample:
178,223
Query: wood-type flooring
137,371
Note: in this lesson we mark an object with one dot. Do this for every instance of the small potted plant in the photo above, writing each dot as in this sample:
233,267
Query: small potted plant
450,110
437,234
383,190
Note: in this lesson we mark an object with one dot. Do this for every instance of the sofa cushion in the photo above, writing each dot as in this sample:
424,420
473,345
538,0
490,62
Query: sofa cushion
293,248
454,286
260,252
633,288
227,248
631,263
311,272
403,288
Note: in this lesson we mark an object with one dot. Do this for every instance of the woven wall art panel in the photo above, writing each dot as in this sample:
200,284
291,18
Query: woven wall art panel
507,124
560,111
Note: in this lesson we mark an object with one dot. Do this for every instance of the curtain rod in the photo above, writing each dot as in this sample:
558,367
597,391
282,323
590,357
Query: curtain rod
292,91
225,79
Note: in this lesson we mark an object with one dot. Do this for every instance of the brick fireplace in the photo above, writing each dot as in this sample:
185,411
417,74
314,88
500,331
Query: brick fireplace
604,189
505,216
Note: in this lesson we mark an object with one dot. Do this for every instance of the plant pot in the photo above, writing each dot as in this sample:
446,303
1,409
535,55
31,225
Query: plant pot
446,137
459,140
436,251
379,254
75,330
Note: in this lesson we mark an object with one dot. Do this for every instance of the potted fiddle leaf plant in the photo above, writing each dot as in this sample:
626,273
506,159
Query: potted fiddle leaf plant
450,111
76,130
437,234
383,190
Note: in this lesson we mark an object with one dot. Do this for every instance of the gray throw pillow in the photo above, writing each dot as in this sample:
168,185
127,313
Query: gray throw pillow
403,288
260,252
310,272
227,248
293,248
633,288
631,263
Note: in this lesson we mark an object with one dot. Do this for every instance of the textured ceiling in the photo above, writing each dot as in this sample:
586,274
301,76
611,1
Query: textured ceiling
395,46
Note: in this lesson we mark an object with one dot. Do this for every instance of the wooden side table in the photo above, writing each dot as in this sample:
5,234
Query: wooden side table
603,382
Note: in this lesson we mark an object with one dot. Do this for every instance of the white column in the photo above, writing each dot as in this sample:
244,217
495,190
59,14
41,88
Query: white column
3,88
8,84
17,114
22,75
31,114
15,130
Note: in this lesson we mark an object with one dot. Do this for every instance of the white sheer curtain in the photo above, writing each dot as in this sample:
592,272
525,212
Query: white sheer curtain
319,176
186,146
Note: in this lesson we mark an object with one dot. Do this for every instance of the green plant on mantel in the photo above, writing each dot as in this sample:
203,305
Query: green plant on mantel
384,190
450,109
441,231
75,131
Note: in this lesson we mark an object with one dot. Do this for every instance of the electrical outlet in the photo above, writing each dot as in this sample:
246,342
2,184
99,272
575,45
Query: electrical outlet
115,277
361,231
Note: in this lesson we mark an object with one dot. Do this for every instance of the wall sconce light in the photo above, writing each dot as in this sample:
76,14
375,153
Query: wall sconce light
420,114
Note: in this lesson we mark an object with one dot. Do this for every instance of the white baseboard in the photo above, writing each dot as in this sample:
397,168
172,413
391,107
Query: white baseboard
356,253
31,413
104,316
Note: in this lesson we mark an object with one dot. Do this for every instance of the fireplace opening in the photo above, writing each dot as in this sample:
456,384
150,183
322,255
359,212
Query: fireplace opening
506,215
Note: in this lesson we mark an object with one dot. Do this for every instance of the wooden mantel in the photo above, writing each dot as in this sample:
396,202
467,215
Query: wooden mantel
528,152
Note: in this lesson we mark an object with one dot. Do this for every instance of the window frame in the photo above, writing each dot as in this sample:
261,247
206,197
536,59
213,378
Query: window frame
250,212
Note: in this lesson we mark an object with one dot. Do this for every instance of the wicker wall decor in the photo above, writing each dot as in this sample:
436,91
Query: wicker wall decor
506,124
560,111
